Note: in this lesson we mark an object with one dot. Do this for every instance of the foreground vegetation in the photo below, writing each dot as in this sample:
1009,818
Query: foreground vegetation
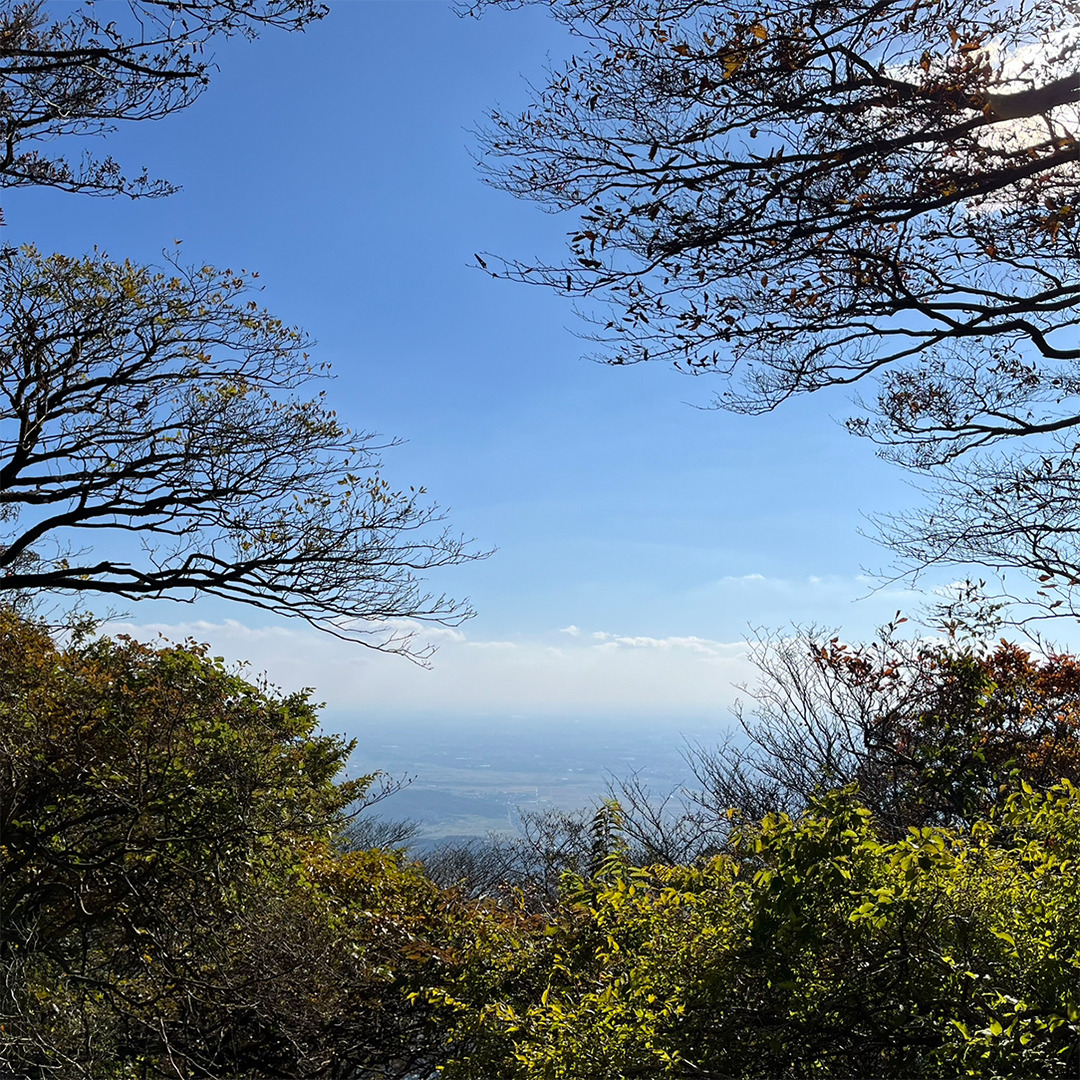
180,899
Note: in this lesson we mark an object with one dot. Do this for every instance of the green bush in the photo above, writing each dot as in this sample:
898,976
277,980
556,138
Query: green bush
815,950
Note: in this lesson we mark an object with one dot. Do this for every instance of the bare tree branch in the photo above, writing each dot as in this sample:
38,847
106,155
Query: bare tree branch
165,409
65,72
798,196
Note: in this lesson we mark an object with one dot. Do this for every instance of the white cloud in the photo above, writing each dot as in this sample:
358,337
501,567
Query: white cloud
571,670
561,673
693,644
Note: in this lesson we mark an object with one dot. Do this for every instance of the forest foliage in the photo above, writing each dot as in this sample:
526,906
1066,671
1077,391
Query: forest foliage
179,898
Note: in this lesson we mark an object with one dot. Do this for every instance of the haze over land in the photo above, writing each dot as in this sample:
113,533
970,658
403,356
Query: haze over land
477,775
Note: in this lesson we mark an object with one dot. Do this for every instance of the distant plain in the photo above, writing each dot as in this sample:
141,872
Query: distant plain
468,779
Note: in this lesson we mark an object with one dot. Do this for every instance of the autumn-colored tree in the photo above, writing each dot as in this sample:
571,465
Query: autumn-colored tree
933,732
797,196
986,718
173,896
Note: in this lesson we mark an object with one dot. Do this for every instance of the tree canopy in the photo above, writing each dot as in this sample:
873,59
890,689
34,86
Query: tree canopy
811,192
173,895
181,895
806,195
158,437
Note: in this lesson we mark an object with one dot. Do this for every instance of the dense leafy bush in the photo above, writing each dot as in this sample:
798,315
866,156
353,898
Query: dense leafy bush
816,949
172,895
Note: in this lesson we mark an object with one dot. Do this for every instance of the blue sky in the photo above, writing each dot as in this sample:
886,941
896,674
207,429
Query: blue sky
637,536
